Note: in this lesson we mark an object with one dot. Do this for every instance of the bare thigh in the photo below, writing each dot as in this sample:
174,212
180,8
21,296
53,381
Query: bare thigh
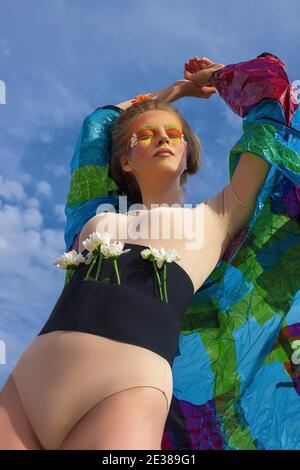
15,429
63,377
130,419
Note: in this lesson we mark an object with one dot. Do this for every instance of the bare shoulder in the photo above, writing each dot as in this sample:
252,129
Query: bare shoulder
102,222
88,228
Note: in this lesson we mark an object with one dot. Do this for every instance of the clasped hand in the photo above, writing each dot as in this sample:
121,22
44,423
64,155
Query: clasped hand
197,72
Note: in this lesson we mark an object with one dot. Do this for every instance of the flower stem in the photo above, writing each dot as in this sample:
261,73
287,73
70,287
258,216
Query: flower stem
158,279
165,282
90,268
99,266
68,275
116,270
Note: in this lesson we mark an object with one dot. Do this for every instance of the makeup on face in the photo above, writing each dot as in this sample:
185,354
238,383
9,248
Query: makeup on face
145,134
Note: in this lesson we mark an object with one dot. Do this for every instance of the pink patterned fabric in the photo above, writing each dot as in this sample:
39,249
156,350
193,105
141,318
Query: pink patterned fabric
252,81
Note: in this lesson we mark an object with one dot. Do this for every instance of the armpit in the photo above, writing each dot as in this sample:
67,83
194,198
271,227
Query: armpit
234,205
231,213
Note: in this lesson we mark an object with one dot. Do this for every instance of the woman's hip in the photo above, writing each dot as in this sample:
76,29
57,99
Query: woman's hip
62,374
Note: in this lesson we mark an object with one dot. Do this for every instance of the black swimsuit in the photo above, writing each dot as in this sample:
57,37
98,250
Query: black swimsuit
132,312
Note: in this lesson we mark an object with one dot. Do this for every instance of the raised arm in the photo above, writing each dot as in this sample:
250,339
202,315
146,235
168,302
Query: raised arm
256,89
178,89
234,205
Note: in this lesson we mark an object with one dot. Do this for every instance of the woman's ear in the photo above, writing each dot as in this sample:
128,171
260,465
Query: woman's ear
125,163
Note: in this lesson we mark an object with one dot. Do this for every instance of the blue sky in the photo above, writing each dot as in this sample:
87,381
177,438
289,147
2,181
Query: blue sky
60,59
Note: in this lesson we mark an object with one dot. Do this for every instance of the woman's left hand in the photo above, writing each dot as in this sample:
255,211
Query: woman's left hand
197,71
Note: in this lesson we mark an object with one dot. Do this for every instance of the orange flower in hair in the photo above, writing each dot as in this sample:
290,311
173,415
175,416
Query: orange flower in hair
140,98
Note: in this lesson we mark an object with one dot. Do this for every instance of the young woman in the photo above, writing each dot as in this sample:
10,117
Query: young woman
99,373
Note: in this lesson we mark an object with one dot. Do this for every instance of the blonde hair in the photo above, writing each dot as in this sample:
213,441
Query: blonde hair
120,145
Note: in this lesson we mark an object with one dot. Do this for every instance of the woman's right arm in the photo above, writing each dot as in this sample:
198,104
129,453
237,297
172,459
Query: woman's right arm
179,89
168,94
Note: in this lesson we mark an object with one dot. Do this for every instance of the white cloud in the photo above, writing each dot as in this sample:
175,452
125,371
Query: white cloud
59,211
24,178
30,283
32,202
25,235
56,170
11,190
32,218
10,217
44,188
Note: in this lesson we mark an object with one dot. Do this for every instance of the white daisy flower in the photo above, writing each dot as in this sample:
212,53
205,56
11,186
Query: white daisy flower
161,255
95,240
150,252
113,249
108,249
166,256
170,255
69,259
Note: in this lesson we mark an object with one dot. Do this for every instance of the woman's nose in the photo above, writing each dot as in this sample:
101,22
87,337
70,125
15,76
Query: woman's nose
163,138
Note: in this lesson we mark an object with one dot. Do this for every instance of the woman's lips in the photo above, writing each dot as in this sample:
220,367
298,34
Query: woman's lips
163,152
